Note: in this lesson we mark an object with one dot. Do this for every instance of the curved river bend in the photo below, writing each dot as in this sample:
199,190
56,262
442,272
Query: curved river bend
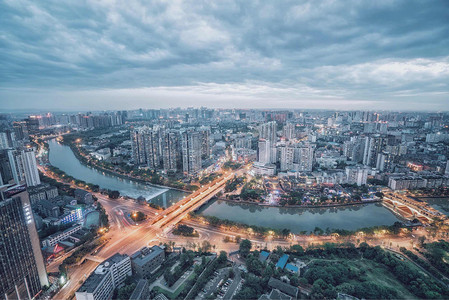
62,157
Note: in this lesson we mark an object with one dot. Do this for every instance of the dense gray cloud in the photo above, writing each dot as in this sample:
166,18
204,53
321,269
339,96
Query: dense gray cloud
361,54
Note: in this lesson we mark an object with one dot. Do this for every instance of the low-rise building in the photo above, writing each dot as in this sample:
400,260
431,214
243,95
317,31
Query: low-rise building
40,192
53,239
283,287
108,276
147,260
84,196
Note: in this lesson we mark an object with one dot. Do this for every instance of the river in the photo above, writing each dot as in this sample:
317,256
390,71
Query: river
350,217
62,157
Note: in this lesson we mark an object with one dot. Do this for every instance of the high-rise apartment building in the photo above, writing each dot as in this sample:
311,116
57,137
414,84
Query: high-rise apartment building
267,131
22,269
264,151
152,149
30,167
21,131
170,151
18,166
303,157
356,175
138,145
289,131
373,146
286,158
205,142
191,152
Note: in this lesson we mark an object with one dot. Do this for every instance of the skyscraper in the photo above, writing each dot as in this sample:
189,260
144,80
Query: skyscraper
138,145
21,131
170,151
373,146
30,167
18,166
191,152
264,151
205,142
267,131
303,157
152,149
287,155
289,131
22,269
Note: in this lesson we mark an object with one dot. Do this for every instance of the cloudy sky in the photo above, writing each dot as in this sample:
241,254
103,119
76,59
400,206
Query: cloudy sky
106,54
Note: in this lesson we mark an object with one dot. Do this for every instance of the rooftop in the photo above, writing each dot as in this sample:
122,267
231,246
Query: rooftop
283,287
145,255
282,261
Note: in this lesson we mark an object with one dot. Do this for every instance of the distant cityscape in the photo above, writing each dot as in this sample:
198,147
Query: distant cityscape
218,203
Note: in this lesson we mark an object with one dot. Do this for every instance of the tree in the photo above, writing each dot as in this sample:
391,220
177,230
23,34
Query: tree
113,194
297,249
285,232
223,257
245,247
422,240
206,246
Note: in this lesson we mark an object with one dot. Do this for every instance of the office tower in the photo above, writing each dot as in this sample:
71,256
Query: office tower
138,145
22,269
289,131
152,149
373,146
170,151
356,175
446,172
191,152
108,276
264,151
30,167
205,142
286,159
267,131
21,131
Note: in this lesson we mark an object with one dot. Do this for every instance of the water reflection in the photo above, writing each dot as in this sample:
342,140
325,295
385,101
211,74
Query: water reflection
62,157
351,217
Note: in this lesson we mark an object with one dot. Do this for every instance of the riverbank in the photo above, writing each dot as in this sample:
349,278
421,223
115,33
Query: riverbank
301,206
63,158
301,219
267,231
84,161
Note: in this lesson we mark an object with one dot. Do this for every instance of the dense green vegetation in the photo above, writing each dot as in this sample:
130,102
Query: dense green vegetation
234,183
438,255
231,165
185,262
252,190
364,272
185,230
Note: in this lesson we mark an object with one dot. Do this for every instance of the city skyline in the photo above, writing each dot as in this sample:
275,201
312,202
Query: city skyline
336,54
